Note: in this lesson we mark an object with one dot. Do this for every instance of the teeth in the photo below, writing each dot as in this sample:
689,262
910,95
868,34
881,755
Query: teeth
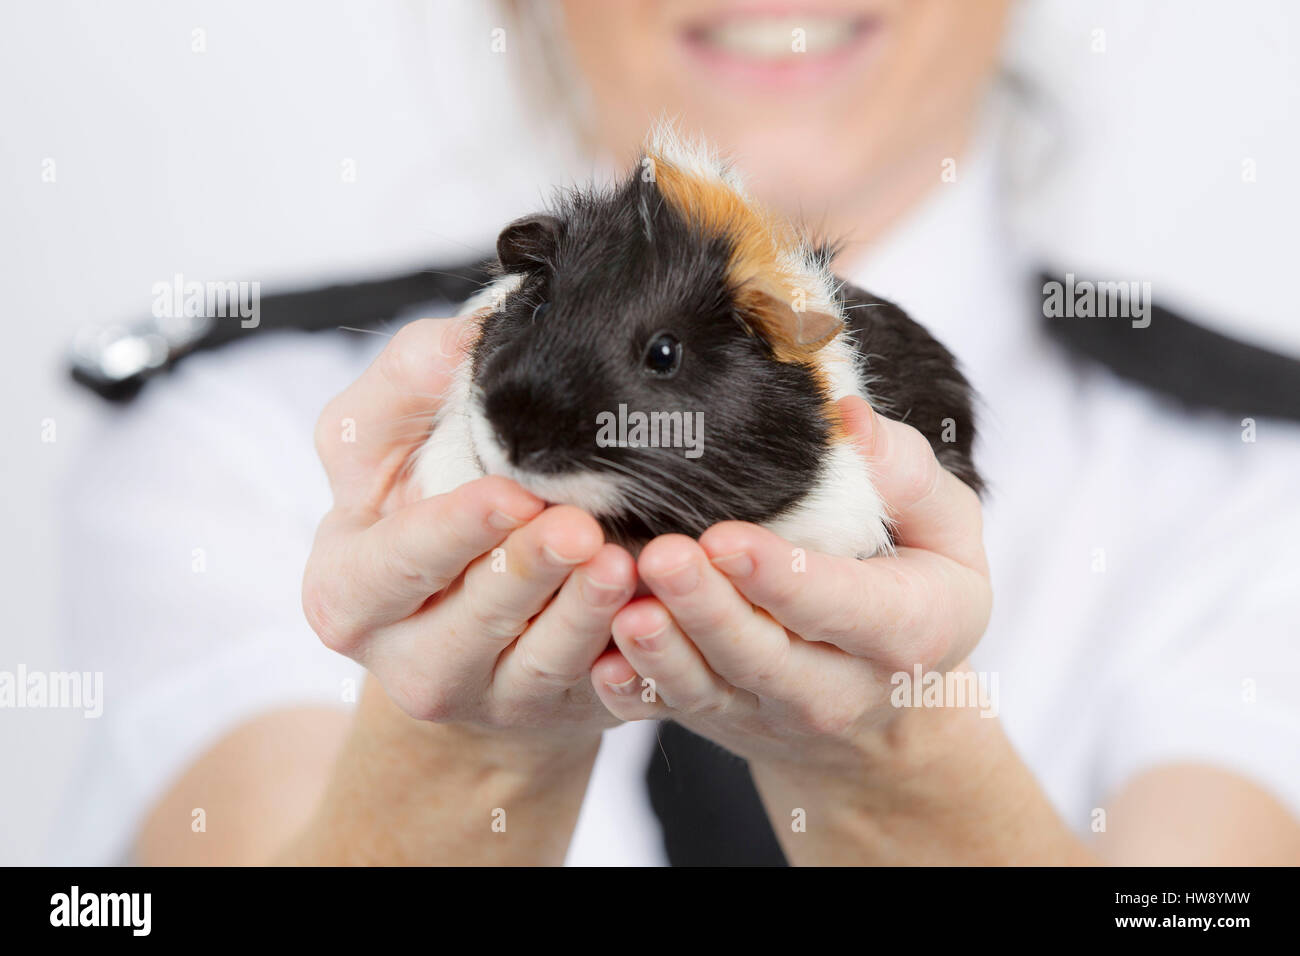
773,38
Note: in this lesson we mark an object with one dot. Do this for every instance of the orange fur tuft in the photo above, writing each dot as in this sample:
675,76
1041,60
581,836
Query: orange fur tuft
762,245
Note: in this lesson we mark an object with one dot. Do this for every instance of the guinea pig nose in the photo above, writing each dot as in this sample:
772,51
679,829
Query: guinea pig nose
524,448
529,423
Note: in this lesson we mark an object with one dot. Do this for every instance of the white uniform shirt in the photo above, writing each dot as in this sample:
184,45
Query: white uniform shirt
1145,562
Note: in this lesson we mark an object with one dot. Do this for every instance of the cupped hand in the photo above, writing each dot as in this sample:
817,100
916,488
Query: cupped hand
481,607
786,658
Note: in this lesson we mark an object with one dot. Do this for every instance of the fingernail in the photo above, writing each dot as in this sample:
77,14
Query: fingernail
503,522
738,565
597,593
558,559
682,581
627,687
650,642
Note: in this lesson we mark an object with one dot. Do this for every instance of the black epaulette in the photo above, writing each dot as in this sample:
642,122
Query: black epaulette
116,358
1174,356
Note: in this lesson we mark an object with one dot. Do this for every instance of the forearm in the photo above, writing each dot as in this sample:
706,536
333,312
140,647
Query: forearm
938,786
405,792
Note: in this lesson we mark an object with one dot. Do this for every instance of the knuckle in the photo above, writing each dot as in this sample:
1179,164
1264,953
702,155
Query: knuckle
931,650
432,706
422,696
926,618
399,568
454,539
918,469
708,704
842,621
908,604
774,663
534,671
320,609
920,480
827,718
788,587
713,619
503,716
492,622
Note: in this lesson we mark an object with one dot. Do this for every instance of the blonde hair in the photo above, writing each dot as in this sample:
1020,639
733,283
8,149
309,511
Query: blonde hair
550,85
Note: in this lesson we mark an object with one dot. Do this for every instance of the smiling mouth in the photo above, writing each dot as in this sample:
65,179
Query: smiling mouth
771,49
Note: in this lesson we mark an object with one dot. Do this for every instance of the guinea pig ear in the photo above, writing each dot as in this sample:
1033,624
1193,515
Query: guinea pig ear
528,242
788,329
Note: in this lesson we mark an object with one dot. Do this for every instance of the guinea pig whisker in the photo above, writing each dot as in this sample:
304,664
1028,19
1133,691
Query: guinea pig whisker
659,486
481,283
412,417
647,491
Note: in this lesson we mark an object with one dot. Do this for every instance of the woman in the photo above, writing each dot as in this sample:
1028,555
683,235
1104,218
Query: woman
1140,661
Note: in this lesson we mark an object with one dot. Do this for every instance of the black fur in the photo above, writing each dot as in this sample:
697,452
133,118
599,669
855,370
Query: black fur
617,268
913,378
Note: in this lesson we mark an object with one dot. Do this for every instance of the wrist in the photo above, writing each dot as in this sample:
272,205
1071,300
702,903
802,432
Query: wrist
412,792
936,785
475,751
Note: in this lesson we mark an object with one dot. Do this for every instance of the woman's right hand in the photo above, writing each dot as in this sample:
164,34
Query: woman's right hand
481,608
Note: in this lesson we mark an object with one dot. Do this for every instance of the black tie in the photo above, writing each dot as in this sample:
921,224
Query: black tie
707,805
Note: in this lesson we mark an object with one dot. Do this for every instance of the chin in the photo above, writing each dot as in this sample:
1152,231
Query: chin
598,494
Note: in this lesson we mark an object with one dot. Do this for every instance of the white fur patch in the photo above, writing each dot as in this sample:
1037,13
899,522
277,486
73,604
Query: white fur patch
446,460
842,514
695,157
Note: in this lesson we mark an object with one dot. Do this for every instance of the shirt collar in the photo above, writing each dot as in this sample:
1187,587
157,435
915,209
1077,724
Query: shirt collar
951,265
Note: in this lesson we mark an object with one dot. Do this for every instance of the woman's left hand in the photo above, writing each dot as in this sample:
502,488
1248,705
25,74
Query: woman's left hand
786,658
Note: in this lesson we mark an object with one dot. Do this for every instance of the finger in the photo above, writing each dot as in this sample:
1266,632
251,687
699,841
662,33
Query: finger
362,576
366,433
930,507
624,692
895,610
672,669
562,643
503,590
744,646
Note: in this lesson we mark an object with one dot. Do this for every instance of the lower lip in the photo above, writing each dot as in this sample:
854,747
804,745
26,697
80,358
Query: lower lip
798,72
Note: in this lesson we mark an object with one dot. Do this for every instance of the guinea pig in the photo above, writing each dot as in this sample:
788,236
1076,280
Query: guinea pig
665,354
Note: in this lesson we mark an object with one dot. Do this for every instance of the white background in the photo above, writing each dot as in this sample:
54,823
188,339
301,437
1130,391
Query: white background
226,165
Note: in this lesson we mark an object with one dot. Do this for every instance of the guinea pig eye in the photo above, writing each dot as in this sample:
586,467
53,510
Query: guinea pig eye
541,310
663,355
